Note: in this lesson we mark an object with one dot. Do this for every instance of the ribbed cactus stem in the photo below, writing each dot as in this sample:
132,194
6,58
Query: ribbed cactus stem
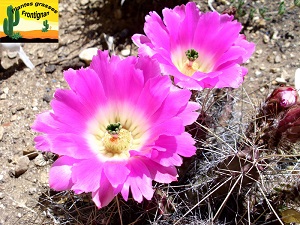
45,23
10,21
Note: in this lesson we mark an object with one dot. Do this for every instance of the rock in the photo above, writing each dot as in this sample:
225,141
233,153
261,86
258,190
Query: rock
22,166
12,55
262,68
280,80
266,39
34,103
40,160
257,73
258,52
275,70
40,53
13,118
277,59
87,54
1,132
125,52
30,152
50,69
32,190
84,2
3,96
47,98
5,90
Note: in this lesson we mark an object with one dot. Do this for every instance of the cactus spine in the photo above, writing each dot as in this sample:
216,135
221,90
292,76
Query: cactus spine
9,23
45,23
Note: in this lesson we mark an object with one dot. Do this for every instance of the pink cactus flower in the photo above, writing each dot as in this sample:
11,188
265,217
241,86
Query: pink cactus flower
118,128
201,50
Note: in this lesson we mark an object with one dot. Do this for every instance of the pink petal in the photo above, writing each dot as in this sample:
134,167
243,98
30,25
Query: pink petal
86,175
139,180
172,126
42,143
170,108
72,145
88,88
161,173
189,114
116,172
69,110
105,194
61,172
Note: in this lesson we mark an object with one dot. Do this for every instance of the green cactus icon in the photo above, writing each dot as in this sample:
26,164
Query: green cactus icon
45,23
9,23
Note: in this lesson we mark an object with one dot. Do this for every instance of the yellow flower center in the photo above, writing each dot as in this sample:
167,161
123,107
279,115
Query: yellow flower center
117,144
116,137
189,68
192,62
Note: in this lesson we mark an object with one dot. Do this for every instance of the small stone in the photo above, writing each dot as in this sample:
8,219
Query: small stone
259,51
262,68
5,90
275,70
257,73
34,103
35,108
3,96
84,2
47,98
266,38
32,190
40,160
1,177
125,52
30,152
274,82
87,54
22,166
280,80
50,69
40,53
277,59
13,118
1,132
12,55
262,89
1,195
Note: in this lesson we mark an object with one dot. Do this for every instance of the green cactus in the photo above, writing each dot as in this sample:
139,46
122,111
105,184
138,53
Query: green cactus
9,23
45,23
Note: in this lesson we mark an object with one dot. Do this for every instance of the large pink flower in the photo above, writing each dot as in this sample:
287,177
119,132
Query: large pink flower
201,50
120,126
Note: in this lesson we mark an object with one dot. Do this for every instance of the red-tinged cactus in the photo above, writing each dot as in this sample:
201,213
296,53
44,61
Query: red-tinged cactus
289,124
281,99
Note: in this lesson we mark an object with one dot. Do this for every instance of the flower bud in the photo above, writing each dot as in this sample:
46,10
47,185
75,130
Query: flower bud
281,98
289,124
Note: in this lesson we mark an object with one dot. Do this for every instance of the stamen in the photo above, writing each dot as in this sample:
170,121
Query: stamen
192,55
114,129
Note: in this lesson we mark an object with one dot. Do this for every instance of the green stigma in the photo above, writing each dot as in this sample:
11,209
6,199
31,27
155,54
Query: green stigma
114,128
192,55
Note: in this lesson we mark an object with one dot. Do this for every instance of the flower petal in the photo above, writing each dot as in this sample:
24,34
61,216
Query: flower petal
60,177
86,175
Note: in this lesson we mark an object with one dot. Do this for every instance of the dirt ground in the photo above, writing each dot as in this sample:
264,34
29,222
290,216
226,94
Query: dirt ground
25,93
